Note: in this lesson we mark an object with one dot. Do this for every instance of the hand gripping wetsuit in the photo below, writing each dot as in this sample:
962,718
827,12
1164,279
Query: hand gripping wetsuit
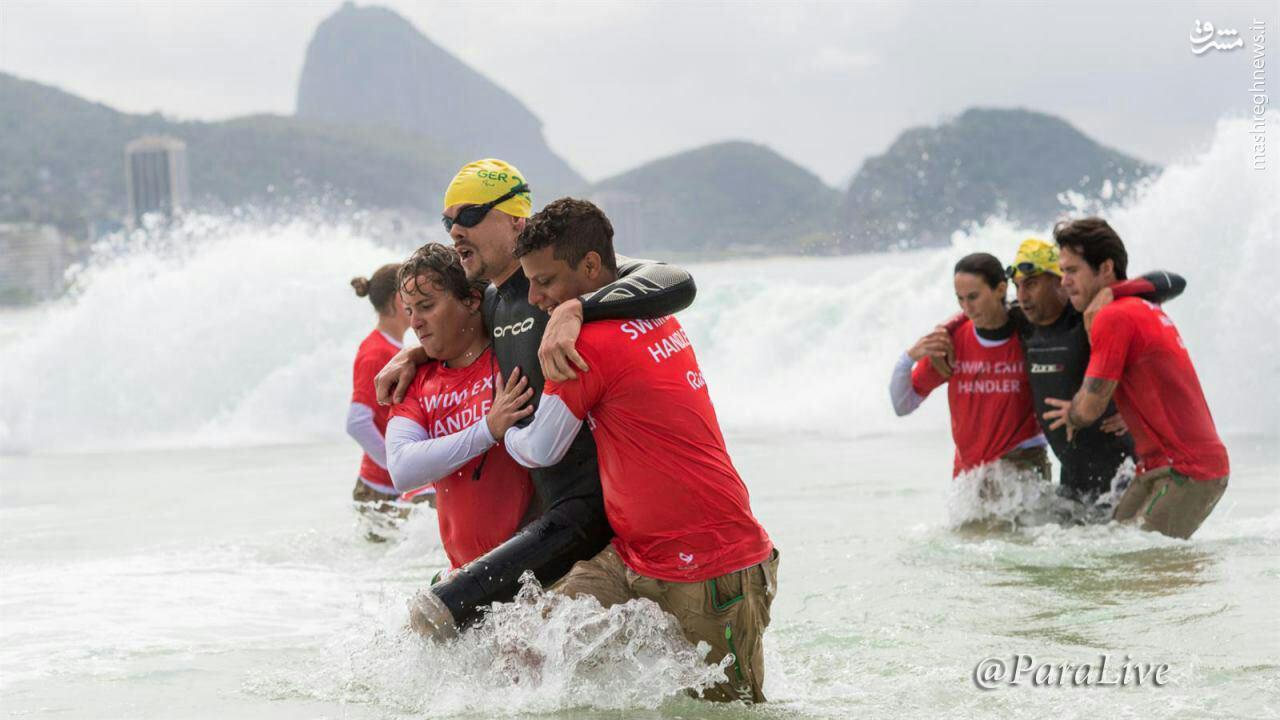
572,525
1057,356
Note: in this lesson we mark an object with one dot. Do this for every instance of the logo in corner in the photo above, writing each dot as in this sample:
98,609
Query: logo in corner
1203,39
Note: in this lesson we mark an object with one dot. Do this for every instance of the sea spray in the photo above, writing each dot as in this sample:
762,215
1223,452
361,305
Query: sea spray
543,652
239,332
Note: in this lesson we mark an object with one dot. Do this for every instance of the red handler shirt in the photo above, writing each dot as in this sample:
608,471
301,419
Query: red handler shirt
679,509
477,512
1158,392
374,353
990,399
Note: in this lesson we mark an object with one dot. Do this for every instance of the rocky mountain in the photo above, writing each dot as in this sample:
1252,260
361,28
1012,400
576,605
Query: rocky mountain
369,67
62,160
933,180
732,197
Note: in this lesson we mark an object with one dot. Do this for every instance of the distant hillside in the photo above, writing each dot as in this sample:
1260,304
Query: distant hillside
62,160
933,180
368,66
723,198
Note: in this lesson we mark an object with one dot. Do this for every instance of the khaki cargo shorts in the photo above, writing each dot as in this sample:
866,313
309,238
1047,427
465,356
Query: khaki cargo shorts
372,500
1169,503
729,613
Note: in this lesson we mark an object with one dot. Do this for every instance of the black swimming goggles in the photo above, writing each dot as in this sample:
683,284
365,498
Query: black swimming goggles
471,215
1026,268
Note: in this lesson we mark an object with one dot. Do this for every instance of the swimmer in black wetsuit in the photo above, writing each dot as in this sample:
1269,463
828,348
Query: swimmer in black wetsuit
484,210
1057,348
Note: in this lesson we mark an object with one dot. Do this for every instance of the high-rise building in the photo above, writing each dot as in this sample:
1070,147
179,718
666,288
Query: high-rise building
155,169
33,259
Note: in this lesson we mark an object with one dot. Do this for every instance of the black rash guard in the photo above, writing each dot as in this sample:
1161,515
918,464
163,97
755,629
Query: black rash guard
571,524
1057,357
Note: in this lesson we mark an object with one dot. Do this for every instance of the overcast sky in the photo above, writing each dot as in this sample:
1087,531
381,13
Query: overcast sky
617,84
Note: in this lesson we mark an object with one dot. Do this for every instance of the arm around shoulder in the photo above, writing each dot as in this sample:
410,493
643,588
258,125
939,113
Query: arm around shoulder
644,289
544,441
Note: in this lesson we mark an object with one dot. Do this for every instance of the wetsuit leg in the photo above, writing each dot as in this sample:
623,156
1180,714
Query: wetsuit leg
572,530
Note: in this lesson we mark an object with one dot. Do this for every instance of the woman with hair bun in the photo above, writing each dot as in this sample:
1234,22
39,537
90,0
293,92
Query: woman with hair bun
366,419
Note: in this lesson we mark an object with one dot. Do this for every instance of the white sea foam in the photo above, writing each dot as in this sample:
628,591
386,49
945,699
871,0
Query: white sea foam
543,652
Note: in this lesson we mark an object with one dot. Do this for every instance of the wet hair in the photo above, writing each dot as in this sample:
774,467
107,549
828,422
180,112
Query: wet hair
1094,240
379,288
985,266
574,228
443,269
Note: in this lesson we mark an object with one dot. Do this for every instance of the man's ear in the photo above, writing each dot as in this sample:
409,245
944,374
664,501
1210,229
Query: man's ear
593,264
518,223
1107,266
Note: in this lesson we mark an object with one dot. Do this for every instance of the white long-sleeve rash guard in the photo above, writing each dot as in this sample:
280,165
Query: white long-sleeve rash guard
361,429
544,441
905,399
414,458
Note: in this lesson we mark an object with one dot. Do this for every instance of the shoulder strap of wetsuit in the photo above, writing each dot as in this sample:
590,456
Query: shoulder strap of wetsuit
644,289
1156,287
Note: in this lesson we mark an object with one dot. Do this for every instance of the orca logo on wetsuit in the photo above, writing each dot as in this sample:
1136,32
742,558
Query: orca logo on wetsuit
513,328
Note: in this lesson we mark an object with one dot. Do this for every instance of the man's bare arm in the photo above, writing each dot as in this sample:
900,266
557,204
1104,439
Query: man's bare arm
1084,409
1091,401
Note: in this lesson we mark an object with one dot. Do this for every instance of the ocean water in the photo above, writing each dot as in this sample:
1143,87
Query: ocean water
176,541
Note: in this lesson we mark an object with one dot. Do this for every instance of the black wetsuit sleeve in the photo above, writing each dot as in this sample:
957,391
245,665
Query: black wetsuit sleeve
644,289
1156,287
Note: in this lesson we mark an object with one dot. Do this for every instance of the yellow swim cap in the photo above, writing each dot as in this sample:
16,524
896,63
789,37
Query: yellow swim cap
1035,256
486,180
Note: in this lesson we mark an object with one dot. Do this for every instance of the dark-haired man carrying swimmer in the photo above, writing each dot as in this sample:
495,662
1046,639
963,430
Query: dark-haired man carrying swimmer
686,536
1139,357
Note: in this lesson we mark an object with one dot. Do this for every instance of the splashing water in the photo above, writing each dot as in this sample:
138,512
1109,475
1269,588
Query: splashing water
542,652
1000,496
